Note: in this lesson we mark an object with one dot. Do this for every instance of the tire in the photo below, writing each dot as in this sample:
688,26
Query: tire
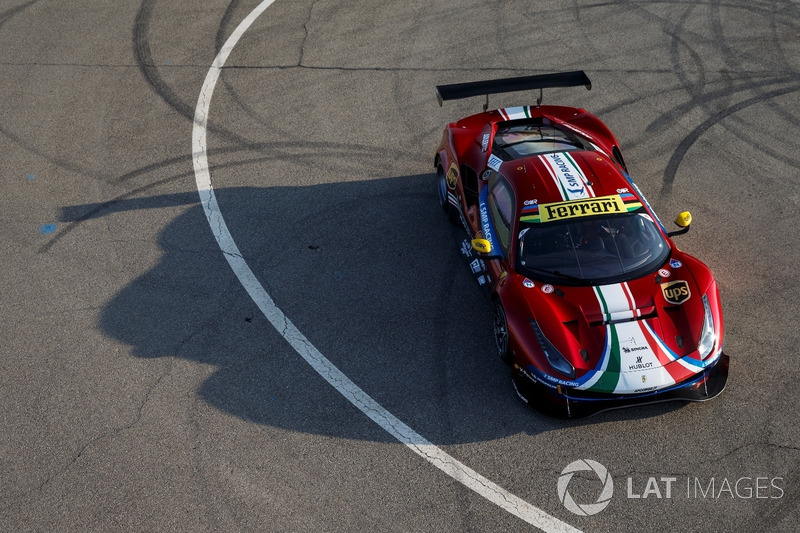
501,336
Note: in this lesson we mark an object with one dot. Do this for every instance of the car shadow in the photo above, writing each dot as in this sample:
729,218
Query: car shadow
370,272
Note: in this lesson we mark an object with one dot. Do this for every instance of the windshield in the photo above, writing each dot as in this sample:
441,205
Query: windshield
596,250
531,138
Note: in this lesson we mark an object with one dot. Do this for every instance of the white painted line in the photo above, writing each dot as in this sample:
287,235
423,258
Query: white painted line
394,426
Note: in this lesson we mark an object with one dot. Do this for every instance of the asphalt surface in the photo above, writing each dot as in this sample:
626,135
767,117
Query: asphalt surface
141,387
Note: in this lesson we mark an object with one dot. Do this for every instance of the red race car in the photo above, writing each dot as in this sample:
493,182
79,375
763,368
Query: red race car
594,305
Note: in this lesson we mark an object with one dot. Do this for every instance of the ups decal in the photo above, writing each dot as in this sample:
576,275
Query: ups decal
676,292
452,176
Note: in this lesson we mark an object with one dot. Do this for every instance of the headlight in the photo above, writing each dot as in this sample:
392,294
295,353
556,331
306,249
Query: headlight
556,360
707,337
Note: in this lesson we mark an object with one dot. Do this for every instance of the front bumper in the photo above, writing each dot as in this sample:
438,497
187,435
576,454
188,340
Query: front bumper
565,402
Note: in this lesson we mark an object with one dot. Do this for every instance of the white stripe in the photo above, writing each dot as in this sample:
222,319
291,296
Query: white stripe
617,303
572,182
403,433
513,113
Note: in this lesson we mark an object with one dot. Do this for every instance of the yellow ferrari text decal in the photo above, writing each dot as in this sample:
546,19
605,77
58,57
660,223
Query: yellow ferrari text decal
601,205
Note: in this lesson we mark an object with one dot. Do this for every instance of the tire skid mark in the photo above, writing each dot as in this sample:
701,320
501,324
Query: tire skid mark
721,99
8,14
716,102
150,71
694,135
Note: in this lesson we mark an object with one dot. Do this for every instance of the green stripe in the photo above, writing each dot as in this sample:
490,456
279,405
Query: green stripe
610,378
603,303
608,381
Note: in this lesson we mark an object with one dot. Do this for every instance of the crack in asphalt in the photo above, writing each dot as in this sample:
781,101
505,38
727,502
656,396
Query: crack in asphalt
82,449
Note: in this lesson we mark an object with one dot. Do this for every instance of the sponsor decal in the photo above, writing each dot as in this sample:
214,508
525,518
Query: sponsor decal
624,189
530,202
674,263
476,266
452,176
486,224
485,142
664,273
547,289
635,349
580,208
568,176
494,162
528,283
676,292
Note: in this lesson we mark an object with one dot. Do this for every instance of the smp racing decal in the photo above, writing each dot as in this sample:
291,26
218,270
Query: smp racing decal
486,224
676,292
452,176
568,176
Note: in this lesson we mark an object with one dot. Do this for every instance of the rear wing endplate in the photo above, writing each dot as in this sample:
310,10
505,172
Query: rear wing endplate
457,91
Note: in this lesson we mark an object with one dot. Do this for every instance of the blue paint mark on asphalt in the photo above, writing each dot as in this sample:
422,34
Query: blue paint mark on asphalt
31,176
48,229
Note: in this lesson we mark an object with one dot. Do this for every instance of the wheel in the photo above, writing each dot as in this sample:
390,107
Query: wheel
501,333
441,186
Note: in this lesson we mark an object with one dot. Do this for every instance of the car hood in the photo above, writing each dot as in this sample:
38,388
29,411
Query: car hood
631,337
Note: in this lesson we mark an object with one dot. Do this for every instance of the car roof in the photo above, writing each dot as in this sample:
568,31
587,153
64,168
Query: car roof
564,175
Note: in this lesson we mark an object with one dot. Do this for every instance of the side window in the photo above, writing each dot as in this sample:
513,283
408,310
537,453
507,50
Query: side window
500,202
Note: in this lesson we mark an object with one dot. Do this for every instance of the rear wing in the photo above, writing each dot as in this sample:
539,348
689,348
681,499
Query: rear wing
457,91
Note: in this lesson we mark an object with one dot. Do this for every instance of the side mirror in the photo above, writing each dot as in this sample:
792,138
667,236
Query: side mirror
481,245
684,220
